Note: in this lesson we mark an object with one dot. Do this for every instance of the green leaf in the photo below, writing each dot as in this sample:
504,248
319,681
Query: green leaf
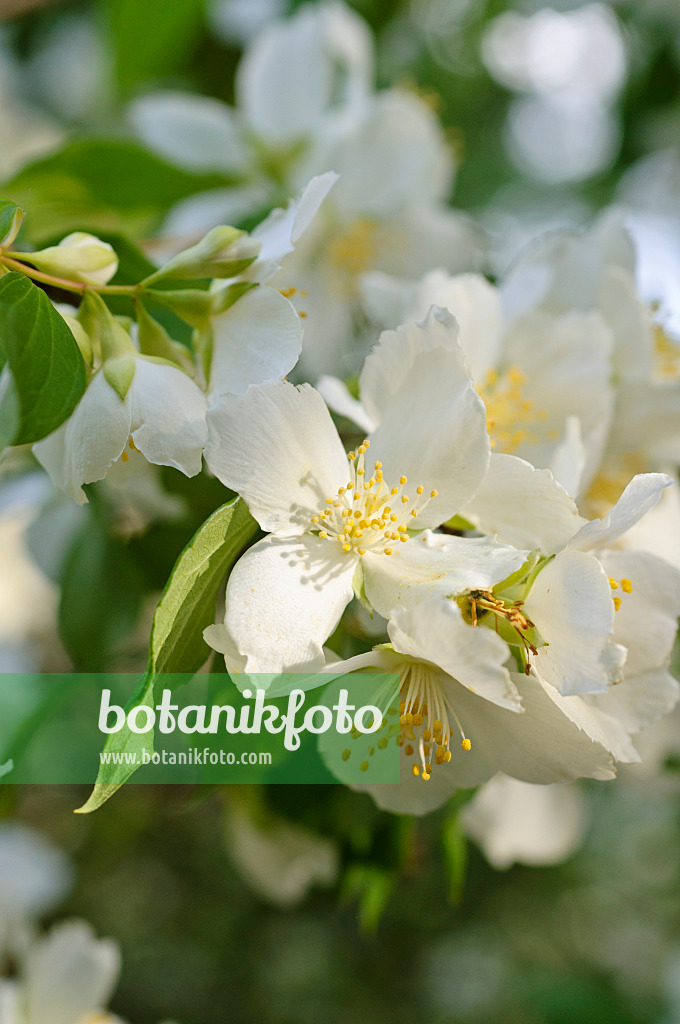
149,41
10,411
101,185
47,367
11,217
185,609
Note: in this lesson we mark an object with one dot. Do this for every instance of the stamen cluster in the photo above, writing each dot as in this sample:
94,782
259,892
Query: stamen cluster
369,515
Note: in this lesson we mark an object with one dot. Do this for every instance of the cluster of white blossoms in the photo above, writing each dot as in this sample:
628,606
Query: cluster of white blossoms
534,644
306,103
66,976
515,437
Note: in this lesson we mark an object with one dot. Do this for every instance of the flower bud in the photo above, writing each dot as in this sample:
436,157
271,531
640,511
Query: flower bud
78,257
224,252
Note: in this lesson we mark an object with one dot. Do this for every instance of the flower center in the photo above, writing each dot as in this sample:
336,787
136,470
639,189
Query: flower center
369,515
506,618
425,715
356,249
509,415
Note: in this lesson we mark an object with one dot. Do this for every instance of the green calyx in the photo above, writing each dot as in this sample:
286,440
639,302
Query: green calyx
156,343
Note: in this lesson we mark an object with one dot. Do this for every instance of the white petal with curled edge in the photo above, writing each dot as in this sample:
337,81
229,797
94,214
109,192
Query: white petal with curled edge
474,303
337,397
571,605
82,449
284,598
167,416
541,745
523,506
389,364
69,974
647,619
283,228
194,132
641,495
432,426
520,823
435,631
256,340
278,448
434,565
602,728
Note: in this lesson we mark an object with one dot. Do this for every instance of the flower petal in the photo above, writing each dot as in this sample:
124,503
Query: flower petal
397,131
277,447
571,605
474,303
639,700
295,69
602,728
81,450
256,340
647,619
641,495
414,796
566,364
431,422
167,416
283,228
436,632
520,823
70,974
194,132
336,395
523,506
540,745
434,565
284,598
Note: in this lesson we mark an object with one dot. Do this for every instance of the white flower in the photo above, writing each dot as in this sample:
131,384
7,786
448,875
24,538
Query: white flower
592,634
545,376
595,271
388,212
67,978
588,627
520,823
293,75
305,106
340,524
162,417
456,678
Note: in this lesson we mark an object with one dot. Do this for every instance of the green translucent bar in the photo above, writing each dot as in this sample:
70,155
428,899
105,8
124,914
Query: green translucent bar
199,729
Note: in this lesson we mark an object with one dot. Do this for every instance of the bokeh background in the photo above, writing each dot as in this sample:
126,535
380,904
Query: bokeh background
307,904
